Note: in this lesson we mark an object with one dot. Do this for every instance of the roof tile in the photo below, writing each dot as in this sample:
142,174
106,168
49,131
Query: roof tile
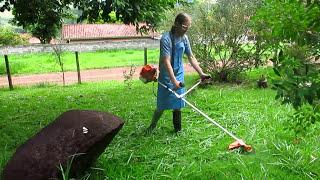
89,31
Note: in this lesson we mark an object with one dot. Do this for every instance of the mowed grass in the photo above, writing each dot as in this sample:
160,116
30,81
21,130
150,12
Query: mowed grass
198,152
37,63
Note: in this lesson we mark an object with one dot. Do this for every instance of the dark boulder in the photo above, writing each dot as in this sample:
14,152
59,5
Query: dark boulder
83,135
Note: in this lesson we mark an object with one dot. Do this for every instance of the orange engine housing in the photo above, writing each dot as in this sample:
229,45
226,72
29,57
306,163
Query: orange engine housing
148,73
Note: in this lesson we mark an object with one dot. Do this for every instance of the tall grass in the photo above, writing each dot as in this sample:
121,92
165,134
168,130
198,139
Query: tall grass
36,63
198,152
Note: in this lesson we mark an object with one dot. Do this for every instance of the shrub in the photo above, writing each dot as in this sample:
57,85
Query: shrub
9,38
299,81
303,118
292,30
219,38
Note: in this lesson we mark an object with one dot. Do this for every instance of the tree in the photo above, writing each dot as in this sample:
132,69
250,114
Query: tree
5,5
129,12
44,17
219,38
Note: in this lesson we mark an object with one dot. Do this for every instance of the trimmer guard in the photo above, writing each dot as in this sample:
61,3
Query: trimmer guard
240,144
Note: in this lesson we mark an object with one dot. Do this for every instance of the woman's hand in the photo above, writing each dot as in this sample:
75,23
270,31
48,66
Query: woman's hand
205,77
176,84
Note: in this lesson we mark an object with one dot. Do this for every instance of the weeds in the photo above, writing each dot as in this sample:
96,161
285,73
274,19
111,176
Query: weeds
128,76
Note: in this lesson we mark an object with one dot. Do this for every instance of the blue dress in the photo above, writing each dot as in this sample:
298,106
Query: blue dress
166,99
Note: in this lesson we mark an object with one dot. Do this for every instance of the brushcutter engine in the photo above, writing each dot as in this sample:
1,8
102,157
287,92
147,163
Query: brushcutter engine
148,73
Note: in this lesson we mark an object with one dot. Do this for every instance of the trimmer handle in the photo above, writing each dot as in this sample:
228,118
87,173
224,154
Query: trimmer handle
181,84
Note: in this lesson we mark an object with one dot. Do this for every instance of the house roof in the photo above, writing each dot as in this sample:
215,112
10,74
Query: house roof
97,31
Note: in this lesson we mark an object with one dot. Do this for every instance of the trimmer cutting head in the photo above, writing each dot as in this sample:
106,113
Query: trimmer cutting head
240,145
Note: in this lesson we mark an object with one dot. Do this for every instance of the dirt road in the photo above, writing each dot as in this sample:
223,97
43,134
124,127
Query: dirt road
72,77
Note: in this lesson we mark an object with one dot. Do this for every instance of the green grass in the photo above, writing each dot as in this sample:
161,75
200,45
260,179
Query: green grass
37,63
198,152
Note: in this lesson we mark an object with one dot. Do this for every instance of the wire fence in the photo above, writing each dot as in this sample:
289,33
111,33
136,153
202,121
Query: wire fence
76,48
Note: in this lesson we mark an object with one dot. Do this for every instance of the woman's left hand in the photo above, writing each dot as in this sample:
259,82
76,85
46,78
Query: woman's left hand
205,76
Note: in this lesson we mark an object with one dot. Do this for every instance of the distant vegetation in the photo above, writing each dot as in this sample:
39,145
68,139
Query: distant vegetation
8,37
5,18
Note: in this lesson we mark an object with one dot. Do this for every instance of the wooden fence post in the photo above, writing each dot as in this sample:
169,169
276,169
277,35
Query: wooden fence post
8,72
145,56
78,67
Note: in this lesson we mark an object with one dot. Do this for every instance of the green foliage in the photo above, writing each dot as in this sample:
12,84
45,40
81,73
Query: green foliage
44,17
293,160
9,38
5,5
278,22
128,76
65,172
292,30
128,12
293,27
303,118
299,81
219,38
66,169
36,63
198,152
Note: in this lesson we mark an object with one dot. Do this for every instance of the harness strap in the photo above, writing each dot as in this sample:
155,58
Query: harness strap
173,49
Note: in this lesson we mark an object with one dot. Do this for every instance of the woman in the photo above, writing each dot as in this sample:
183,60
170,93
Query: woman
173,45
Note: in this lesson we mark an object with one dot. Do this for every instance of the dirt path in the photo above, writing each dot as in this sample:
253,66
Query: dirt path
72,77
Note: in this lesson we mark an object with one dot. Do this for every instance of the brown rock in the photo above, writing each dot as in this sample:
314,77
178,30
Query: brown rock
83,135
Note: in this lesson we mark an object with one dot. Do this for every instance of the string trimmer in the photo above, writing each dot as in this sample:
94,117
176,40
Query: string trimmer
149,74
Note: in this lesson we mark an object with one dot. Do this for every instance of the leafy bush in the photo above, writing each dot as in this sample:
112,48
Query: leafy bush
219,38
9,38
299,81
303,118
292,30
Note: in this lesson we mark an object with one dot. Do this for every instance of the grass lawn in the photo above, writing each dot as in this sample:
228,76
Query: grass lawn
198,152
37,63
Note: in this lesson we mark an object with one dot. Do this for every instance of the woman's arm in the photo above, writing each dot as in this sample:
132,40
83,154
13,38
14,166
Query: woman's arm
167,64
195,64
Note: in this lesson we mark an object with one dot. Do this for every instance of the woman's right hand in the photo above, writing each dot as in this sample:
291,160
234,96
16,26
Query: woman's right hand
177,84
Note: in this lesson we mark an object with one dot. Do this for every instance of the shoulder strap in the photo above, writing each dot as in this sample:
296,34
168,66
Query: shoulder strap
173,48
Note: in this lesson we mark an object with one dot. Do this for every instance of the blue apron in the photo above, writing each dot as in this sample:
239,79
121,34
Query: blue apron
166,99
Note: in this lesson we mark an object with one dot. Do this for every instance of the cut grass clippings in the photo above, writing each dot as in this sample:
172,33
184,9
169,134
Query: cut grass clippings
198,152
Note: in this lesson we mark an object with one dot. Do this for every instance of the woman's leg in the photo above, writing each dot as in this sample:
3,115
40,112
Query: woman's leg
176,120
155,118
